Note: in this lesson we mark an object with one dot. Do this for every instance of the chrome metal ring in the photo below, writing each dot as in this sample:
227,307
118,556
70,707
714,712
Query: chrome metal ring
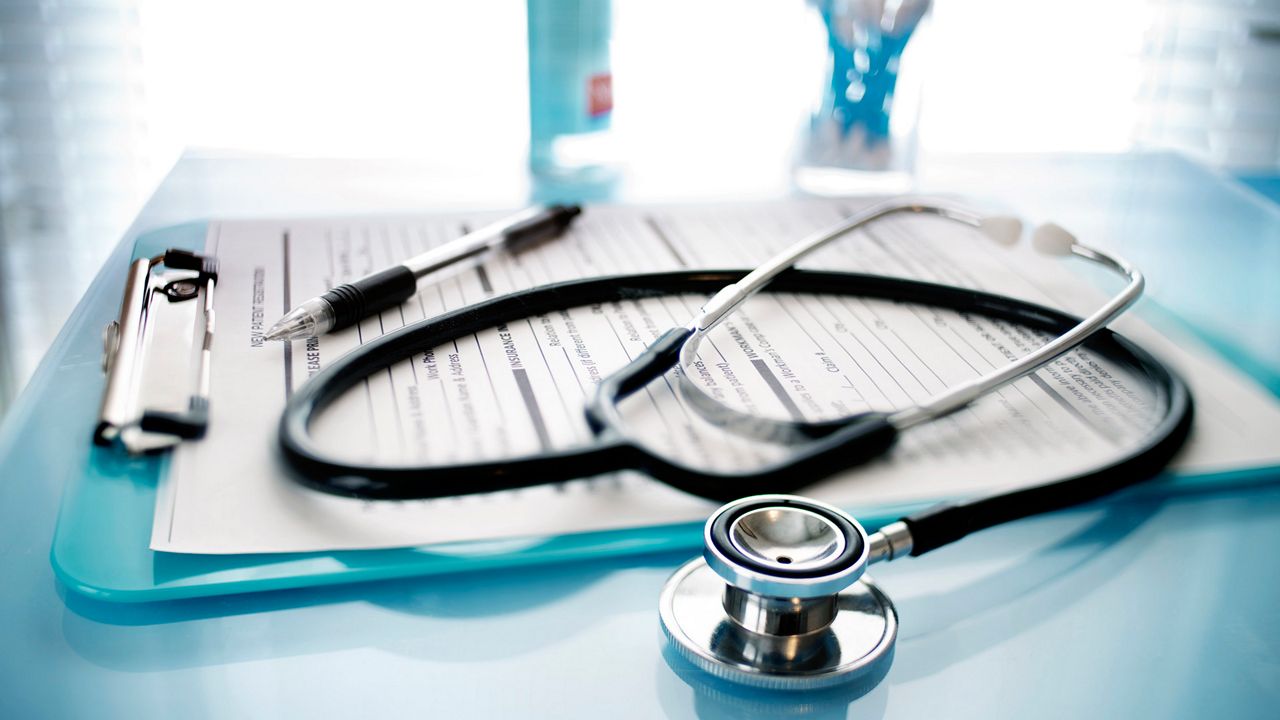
785,546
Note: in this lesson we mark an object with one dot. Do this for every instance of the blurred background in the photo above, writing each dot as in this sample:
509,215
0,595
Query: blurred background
99,98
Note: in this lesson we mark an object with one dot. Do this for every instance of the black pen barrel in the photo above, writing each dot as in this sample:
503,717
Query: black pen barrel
370,294
543,227
388,288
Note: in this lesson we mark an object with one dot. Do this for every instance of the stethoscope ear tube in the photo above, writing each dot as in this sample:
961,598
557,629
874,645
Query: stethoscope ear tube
661,355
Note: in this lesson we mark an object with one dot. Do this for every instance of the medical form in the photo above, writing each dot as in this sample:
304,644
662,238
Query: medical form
519,388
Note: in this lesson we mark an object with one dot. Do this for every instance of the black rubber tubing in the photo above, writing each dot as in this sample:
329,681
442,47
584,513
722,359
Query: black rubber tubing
865,437
944,524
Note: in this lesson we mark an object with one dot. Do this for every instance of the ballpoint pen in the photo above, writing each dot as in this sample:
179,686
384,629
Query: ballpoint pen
344,305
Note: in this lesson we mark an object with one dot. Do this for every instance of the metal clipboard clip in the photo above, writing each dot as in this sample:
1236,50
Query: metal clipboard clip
156,355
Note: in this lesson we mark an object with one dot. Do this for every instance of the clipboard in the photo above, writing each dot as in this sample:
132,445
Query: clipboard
101,543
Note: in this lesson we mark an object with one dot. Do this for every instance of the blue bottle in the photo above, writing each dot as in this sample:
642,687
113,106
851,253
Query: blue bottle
570,89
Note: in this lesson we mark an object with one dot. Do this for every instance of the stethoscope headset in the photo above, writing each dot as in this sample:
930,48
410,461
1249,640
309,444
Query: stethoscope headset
780,583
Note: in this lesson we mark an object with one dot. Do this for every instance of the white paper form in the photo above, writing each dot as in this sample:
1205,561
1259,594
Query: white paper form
520,388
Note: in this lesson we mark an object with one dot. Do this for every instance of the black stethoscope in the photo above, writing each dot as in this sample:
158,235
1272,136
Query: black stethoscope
777,570
820,448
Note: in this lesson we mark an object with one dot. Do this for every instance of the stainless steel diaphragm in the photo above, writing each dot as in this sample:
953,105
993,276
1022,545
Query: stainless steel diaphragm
779,600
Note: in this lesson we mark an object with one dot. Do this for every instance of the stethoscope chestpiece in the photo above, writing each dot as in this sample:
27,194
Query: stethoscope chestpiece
778,600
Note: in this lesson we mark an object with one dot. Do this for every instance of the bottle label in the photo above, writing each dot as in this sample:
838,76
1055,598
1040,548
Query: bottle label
600,94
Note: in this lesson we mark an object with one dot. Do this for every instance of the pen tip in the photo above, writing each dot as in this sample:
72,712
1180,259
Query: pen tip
280,331
311,318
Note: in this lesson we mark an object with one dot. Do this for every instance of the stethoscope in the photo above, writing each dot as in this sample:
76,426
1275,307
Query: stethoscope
778,600
817,449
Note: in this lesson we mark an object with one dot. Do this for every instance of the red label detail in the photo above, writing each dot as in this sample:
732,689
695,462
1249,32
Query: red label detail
599,94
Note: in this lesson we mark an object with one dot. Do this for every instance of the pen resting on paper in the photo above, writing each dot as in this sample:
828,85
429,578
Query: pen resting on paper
346,304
